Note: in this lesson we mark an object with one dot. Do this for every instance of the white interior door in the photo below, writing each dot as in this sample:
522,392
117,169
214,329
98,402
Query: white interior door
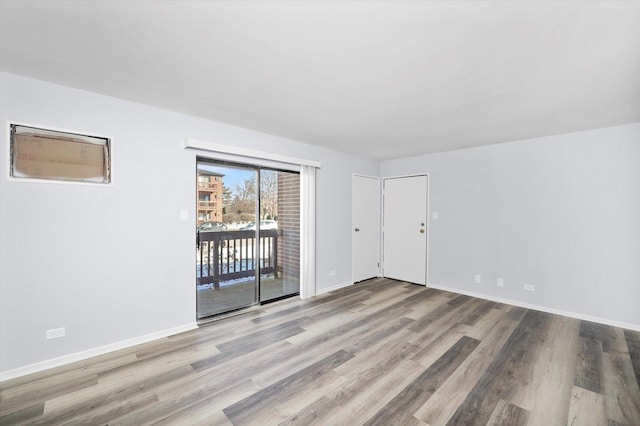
405,229
366,227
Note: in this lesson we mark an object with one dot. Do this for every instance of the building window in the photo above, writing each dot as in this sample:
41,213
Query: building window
48,154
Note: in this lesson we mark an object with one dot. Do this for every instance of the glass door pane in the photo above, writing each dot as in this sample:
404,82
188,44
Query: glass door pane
226,266
279,234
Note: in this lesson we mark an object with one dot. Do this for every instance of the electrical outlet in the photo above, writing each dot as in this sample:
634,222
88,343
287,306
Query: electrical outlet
478,279
332,273
500,282
55,333
530,287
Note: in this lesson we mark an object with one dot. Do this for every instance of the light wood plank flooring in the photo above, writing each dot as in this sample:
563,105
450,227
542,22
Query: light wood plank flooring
381,352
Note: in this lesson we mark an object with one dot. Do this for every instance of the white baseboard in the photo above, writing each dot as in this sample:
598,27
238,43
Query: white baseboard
605,321
335,287
79,356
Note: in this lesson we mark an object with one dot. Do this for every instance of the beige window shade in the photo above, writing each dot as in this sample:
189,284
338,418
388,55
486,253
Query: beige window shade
45,154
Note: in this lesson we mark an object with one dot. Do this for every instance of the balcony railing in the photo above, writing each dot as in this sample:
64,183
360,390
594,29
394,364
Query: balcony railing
230,255
208,186
207,204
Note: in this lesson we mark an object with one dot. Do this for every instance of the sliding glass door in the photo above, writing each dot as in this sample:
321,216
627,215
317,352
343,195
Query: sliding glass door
248,236
280,227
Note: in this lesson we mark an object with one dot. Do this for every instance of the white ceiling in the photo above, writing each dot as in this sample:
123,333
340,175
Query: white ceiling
384,79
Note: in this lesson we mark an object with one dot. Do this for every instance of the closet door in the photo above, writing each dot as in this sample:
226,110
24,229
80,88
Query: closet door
365,230
405,229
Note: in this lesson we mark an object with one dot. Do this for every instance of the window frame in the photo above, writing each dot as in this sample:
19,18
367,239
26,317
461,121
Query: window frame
13,127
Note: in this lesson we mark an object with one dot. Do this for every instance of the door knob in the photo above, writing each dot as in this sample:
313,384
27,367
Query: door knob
422,231
357,229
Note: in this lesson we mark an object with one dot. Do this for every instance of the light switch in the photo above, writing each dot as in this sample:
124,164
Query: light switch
434,215
184,214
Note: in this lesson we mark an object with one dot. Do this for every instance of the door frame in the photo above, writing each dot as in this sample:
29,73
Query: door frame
379,224
427,224
258,169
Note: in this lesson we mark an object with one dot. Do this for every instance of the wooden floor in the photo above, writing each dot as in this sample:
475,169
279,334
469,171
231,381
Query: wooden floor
378,353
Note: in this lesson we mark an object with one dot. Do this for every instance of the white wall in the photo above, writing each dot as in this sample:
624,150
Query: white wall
112,263
561,213
116,263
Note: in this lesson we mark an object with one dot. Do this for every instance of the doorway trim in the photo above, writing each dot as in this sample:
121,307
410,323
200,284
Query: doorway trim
428,221
246,153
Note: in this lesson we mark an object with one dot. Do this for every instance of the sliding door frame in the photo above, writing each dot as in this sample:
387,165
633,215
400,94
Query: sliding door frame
307,169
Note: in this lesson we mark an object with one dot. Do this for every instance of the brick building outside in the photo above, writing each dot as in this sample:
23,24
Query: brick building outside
209,197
